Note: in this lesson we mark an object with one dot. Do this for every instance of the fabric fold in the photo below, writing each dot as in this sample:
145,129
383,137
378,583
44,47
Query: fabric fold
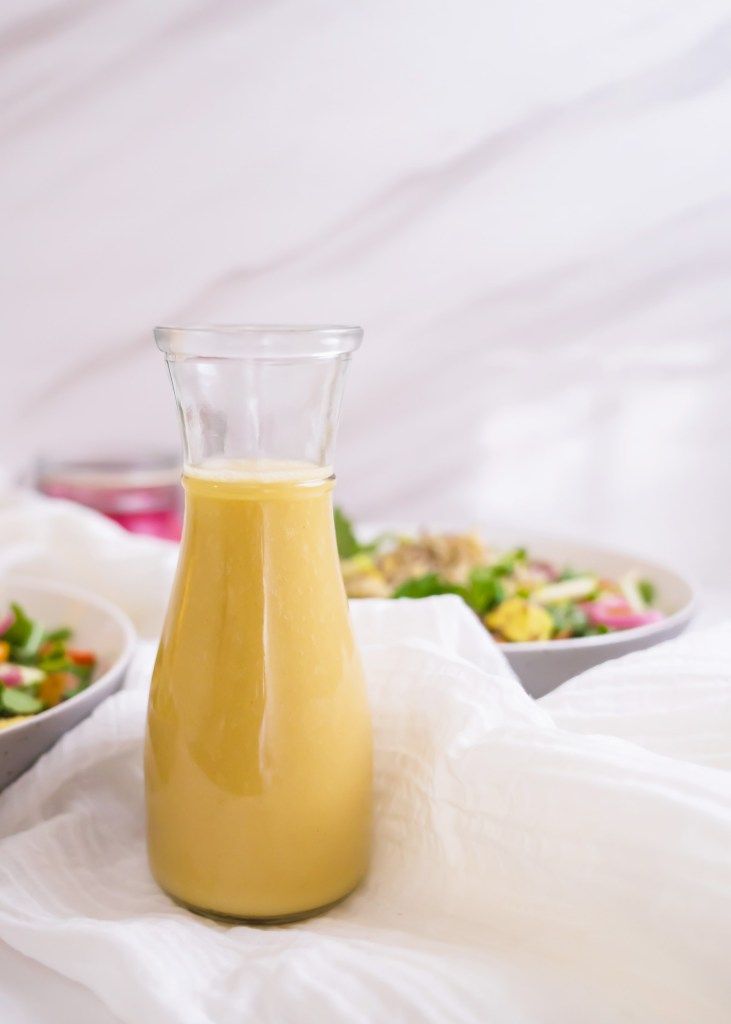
555,861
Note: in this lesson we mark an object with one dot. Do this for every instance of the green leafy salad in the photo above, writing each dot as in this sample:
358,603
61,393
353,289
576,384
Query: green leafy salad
519,598
38,667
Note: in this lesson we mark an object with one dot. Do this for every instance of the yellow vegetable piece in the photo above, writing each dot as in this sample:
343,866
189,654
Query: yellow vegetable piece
4,650
357,565
518,620
362,578
5,723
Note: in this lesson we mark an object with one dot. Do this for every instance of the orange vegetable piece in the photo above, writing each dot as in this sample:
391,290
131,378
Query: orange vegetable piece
4,650
53,687
81,657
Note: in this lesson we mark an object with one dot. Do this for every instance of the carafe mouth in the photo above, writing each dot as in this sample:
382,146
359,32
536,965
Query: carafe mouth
258,391
267,342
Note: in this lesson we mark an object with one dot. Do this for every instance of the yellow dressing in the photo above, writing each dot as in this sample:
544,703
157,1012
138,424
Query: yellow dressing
258,752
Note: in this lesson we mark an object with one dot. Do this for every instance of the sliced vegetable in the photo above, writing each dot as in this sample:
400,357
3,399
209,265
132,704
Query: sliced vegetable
576,589
619,615
80,657
37,668
629,587
29,649
28,673
18,702
10,675
55,687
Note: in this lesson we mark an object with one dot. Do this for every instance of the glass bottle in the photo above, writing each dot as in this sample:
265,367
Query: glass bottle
258,747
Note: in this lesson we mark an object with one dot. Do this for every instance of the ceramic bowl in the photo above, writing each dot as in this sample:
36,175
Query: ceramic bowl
98,626
542,666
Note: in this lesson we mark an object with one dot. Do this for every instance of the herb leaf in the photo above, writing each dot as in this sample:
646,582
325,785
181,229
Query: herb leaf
345,535
20,631
506,565
647,591
427,586
55,663
348,543
484,589
57,635
568,618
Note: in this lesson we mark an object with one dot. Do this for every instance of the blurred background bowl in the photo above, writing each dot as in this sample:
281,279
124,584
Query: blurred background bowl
542,666
98,626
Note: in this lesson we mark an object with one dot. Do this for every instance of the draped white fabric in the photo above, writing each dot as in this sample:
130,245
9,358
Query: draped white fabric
562,861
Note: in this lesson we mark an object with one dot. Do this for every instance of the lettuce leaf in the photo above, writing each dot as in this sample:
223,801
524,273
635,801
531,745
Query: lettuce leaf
348,543
427,586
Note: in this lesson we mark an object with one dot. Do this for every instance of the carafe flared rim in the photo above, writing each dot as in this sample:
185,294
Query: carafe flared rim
258,341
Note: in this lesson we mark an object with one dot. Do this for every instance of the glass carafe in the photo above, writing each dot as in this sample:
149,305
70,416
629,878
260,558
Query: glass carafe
258,748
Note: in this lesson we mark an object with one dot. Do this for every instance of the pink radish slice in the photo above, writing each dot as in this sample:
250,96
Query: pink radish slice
617,614
6,621
10,675
612,601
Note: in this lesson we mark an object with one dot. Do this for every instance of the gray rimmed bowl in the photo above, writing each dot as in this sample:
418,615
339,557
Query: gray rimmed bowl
541,666
98,626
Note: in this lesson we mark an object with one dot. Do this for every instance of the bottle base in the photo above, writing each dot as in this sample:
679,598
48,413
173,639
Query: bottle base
263,921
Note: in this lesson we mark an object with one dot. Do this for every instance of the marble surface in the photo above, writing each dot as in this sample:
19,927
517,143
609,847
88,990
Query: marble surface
527,206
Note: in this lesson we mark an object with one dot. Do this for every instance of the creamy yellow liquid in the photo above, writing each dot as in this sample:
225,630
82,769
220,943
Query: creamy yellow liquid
258,752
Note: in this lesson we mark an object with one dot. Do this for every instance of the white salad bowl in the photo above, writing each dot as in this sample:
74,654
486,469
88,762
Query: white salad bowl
97,626
541,666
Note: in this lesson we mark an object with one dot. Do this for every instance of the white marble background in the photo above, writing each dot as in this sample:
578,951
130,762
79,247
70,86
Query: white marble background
526,204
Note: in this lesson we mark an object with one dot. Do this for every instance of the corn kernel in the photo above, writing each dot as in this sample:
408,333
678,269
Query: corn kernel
517,620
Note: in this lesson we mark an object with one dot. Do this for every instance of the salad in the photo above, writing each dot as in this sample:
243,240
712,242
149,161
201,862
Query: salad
518,597
38,667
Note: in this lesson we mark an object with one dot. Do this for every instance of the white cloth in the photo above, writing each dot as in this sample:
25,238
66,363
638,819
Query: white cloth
547,863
